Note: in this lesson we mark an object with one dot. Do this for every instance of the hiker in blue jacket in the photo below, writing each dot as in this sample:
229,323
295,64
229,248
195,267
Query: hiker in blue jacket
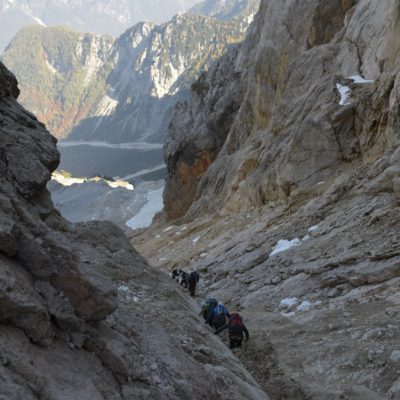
217,317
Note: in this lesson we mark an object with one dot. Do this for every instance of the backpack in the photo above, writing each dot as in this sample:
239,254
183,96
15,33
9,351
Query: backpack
219,321
220,309
211,303
183,278
209,307
235,325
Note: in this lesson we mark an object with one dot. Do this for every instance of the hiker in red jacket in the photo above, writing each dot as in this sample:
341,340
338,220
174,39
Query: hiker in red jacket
236,329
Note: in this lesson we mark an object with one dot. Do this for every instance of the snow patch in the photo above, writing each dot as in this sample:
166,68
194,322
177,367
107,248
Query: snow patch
360,79
288,302
123,288
345,93
304,306
196,239
292,305
145,216
168,229
284,245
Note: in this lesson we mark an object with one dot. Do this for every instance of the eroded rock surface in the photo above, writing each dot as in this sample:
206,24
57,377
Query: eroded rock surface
269,111
307,161
82,315
323,314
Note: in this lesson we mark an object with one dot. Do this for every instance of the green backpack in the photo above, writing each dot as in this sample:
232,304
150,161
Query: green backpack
208,307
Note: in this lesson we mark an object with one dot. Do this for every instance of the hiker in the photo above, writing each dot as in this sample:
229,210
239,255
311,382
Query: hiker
218,316
207,309
180,276
194,277
175,273
236,328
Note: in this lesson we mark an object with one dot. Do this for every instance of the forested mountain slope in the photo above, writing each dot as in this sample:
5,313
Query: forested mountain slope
96,88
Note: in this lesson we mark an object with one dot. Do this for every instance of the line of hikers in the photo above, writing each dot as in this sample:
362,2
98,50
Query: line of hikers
188,280
217,316
214,313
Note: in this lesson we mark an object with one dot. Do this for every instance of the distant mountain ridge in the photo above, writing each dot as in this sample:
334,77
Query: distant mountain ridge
59,71
91,87
97,16
226,10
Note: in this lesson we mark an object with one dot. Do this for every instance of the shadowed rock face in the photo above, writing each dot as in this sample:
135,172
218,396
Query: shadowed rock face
269,110
81,313
197,132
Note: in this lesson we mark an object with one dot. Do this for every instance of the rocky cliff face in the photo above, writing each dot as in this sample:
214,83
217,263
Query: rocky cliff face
81,313
284,174
285,129
152,67
93,88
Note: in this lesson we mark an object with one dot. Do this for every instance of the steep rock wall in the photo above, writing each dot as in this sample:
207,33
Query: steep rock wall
81,313
287,131
295,222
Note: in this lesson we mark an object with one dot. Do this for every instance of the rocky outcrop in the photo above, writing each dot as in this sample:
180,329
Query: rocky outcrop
289,130
188,156
82,315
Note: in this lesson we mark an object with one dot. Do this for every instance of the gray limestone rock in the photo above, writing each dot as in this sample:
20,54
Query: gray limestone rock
82,314
286,131
307,159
